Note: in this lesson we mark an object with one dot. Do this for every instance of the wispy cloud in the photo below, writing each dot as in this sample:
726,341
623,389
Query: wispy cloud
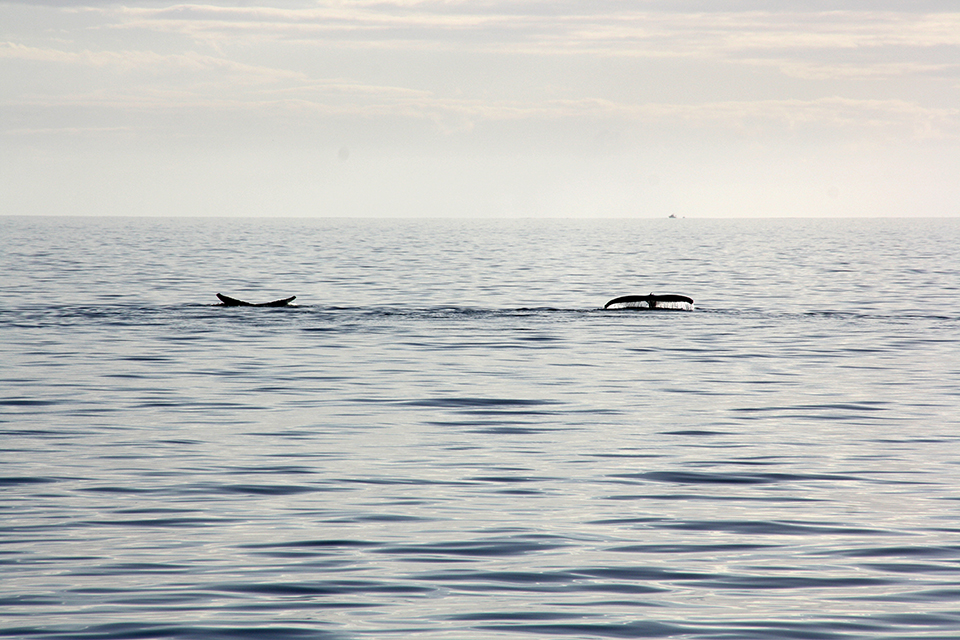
517,75
614,29
299,39
134,60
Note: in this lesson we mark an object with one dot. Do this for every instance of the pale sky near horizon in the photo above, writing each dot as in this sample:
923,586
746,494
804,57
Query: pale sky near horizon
489,108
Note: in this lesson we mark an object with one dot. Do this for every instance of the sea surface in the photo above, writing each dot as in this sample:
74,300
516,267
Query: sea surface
447,437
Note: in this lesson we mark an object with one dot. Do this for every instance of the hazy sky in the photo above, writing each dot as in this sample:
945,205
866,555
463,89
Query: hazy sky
642,108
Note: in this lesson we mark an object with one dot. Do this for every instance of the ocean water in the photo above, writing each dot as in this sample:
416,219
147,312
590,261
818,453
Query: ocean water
448,438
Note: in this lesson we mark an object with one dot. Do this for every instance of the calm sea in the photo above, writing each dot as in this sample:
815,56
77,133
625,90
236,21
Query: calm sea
448,438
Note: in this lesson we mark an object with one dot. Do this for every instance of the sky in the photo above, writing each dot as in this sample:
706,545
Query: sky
481,108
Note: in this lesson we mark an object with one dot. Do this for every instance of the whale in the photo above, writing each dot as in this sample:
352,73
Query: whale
227,301
665,301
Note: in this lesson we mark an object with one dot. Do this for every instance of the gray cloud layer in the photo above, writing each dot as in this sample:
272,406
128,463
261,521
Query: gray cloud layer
614,83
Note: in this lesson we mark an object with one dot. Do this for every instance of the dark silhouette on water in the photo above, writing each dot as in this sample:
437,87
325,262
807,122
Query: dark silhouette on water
652,300
233,302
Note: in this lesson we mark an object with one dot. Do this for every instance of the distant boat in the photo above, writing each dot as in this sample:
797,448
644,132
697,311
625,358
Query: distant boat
672,215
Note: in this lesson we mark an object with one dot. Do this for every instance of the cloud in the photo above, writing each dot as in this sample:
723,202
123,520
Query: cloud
803,44
517,79
147,61
534,44
603,28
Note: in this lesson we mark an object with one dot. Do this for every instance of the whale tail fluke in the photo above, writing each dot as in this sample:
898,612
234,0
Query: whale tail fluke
227,301
667,302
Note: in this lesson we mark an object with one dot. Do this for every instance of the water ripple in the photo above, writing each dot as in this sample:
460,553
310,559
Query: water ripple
448,439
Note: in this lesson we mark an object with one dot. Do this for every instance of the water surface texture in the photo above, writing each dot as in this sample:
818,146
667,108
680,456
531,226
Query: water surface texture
448,438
